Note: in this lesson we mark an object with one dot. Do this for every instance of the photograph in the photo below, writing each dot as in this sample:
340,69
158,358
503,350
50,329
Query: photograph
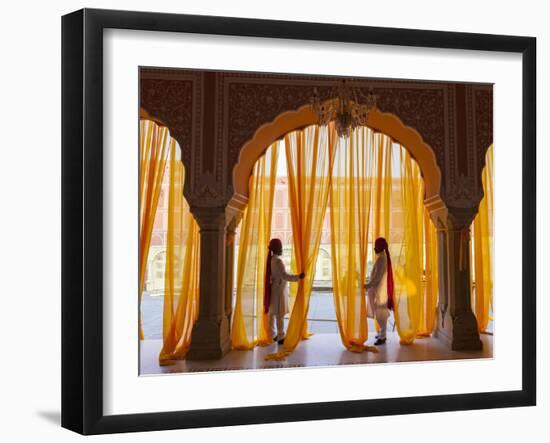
289,221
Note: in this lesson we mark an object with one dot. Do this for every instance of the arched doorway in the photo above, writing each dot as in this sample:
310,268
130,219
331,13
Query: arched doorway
383,156
385,123
286,122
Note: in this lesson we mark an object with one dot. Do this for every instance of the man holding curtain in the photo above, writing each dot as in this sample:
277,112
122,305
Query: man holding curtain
380,288
276,298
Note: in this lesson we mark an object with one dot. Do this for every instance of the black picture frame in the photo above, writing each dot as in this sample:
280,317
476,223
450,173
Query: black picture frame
82,216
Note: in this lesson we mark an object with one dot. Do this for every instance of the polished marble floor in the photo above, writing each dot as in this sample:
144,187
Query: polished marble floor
319,350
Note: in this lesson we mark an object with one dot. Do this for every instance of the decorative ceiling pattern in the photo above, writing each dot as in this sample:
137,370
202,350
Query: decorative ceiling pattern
250,105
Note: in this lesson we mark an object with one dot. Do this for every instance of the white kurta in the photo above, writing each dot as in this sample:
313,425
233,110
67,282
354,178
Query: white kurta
377,293
279,287
378,281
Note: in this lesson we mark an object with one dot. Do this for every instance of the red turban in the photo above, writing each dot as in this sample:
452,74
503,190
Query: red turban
274,245
380,245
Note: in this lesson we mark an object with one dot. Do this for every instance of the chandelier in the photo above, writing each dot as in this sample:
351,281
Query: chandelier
347,112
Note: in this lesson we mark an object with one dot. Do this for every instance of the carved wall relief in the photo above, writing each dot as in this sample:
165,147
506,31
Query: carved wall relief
213,114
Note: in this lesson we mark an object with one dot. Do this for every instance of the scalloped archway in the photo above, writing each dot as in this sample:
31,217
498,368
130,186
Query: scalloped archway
386,123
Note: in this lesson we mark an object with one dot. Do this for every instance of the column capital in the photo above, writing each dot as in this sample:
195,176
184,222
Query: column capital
452,218
233,218
209,218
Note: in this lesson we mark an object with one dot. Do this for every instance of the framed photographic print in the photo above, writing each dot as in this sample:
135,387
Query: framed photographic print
270,221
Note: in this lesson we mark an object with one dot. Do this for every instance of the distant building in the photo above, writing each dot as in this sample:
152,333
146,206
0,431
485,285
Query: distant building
281,227
156,262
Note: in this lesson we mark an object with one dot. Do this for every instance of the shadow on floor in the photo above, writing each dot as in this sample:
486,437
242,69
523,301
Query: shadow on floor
319,350
53,417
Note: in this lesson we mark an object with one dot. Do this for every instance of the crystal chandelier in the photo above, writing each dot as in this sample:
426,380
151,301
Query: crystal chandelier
347,111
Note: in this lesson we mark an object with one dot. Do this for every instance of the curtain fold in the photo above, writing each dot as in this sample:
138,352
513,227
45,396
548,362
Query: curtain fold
181,287
483,248
309,155
350,218
381,184
431,282
250,325
408,263
154,144
382,180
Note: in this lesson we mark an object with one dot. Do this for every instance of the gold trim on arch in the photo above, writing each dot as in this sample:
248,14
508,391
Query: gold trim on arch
288,121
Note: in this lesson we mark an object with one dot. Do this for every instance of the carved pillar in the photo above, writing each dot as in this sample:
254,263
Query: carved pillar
456,322
229,271
443,328
210,336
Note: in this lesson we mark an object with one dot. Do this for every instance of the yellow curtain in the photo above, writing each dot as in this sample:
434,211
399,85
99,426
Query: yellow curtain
181,288
350,210
483,248
399,215
381,183
154,143
431,282
408,262
309,154
382,195
250,324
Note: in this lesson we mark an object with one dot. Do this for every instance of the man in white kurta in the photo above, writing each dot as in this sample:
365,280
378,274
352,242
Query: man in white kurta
377,295
279,302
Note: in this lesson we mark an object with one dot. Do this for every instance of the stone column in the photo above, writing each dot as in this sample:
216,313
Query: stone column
456,323
210,336
443,328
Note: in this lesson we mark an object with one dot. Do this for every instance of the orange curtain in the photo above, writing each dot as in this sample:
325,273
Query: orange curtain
388,203
399,215
181,288
350,210
408,262
309,155
154,143
250,325
483,248
382,180
431,283
384,198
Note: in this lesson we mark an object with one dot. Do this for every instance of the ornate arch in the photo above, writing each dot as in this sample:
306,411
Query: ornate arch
144,115
285,122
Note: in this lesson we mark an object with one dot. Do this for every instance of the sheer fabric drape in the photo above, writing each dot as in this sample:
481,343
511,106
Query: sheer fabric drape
383,195
408,256
181,288
309,155
399,215
382,186
350,207
154,148
483,248
428,312
250,325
